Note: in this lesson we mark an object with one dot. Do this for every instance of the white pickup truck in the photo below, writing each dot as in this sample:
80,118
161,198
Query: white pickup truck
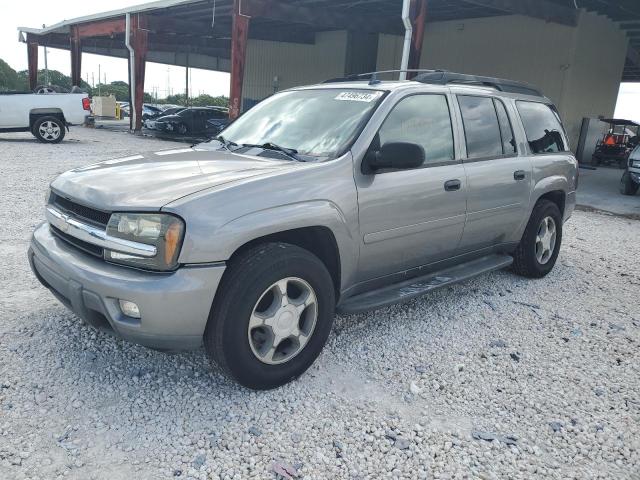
46,115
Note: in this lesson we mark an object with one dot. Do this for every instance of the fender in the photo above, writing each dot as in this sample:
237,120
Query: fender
230,236
546,185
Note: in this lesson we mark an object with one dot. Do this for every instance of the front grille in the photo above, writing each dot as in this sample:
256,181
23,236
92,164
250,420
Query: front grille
76,242
91,215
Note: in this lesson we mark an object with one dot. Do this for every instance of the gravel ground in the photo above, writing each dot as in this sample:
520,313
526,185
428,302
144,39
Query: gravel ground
500,377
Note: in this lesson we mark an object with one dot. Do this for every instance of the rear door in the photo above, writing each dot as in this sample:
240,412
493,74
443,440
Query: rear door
498,175
410,218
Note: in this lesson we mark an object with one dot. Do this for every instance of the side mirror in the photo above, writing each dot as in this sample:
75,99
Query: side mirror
395,155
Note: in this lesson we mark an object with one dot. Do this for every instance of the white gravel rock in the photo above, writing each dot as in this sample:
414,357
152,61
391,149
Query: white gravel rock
79,404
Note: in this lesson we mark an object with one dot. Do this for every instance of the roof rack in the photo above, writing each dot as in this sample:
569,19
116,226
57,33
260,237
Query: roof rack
443,77
373,76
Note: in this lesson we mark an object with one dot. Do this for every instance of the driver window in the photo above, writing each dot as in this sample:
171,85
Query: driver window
424,120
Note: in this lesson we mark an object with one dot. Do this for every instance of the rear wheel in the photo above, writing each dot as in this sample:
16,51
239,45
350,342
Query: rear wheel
628,186
271,316
49,130
538,250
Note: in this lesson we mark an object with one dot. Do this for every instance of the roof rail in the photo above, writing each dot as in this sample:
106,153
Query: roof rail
445,78
373,76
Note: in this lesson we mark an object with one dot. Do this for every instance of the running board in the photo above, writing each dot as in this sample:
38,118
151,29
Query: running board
416,287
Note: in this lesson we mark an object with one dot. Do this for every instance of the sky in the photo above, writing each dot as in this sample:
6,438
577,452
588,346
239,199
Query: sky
35,13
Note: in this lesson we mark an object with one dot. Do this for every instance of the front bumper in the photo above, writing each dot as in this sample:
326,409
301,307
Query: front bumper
174,307
634,174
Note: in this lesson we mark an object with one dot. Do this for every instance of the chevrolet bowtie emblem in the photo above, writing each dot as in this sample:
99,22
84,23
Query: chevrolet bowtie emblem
64,223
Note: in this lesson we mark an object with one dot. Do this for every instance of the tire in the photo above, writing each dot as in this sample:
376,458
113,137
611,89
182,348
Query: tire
248,292
182,129
49,129
526,260
627,186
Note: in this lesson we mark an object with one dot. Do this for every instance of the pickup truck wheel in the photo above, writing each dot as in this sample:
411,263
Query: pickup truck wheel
627,186
538,250
271,316
49,130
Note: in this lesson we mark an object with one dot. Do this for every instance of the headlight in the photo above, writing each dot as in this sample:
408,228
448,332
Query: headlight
635,163
165,232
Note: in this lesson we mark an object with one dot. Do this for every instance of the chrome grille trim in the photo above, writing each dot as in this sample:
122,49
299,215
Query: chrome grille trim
96,236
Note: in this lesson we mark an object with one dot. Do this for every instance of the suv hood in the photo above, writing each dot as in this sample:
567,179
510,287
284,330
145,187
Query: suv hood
148,182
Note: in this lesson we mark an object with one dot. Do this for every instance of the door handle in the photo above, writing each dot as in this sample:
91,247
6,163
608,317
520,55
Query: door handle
452,185
519,175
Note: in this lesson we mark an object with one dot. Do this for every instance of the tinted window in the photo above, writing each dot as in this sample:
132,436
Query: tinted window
542,127
481,128
508,140
424,120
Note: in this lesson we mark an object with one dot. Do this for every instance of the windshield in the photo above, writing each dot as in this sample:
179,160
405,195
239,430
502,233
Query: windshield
318,123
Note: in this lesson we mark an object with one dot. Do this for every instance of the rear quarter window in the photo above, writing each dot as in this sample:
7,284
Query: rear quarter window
542,127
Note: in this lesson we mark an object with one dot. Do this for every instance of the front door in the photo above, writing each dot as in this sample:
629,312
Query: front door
409,218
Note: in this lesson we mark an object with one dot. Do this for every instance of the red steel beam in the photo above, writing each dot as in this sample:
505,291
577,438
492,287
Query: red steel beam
32,60
76,56
103,28
418,20
239,35
140,44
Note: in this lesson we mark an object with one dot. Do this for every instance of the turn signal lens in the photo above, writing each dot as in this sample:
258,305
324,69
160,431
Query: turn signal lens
172,242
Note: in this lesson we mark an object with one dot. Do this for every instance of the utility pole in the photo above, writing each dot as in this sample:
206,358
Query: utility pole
46,64
99,75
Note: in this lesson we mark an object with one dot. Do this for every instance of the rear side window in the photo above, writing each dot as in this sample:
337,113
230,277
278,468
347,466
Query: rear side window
425,120
542,126
508,140
481,128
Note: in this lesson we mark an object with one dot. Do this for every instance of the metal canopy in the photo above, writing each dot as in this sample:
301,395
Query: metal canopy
180,27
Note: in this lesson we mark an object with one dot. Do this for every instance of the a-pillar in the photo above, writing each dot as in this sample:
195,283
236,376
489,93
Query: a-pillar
418,19
239,35
139,42
76,56
32,60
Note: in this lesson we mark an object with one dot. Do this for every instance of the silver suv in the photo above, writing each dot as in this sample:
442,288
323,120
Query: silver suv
345,196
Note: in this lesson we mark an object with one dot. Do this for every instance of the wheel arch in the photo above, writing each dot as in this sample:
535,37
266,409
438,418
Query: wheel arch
37,113
318,240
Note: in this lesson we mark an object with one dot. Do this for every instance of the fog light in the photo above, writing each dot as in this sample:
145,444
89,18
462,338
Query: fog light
130,309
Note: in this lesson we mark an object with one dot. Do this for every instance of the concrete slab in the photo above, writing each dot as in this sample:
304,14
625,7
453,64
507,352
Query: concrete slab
599,189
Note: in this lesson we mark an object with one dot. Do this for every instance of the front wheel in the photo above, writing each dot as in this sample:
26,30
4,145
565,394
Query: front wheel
271,316
49,130
628,186
182,129
538,250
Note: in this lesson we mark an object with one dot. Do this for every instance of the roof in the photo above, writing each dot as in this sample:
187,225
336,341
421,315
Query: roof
619,121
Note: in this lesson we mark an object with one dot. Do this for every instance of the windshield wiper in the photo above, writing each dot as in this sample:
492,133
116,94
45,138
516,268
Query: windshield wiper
225,143
290,152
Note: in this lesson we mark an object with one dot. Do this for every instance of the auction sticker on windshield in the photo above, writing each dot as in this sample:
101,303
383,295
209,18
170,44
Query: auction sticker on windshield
359,96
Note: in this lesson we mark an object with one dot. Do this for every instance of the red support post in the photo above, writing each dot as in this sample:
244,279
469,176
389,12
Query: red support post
32,60
239,35
76,56
140,44
418,19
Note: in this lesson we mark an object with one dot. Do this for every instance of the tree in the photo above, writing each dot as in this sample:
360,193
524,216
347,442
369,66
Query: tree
55,78
8,77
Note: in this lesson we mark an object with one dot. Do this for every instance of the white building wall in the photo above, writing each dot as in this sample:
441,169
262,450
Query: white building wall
294,64
579,68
